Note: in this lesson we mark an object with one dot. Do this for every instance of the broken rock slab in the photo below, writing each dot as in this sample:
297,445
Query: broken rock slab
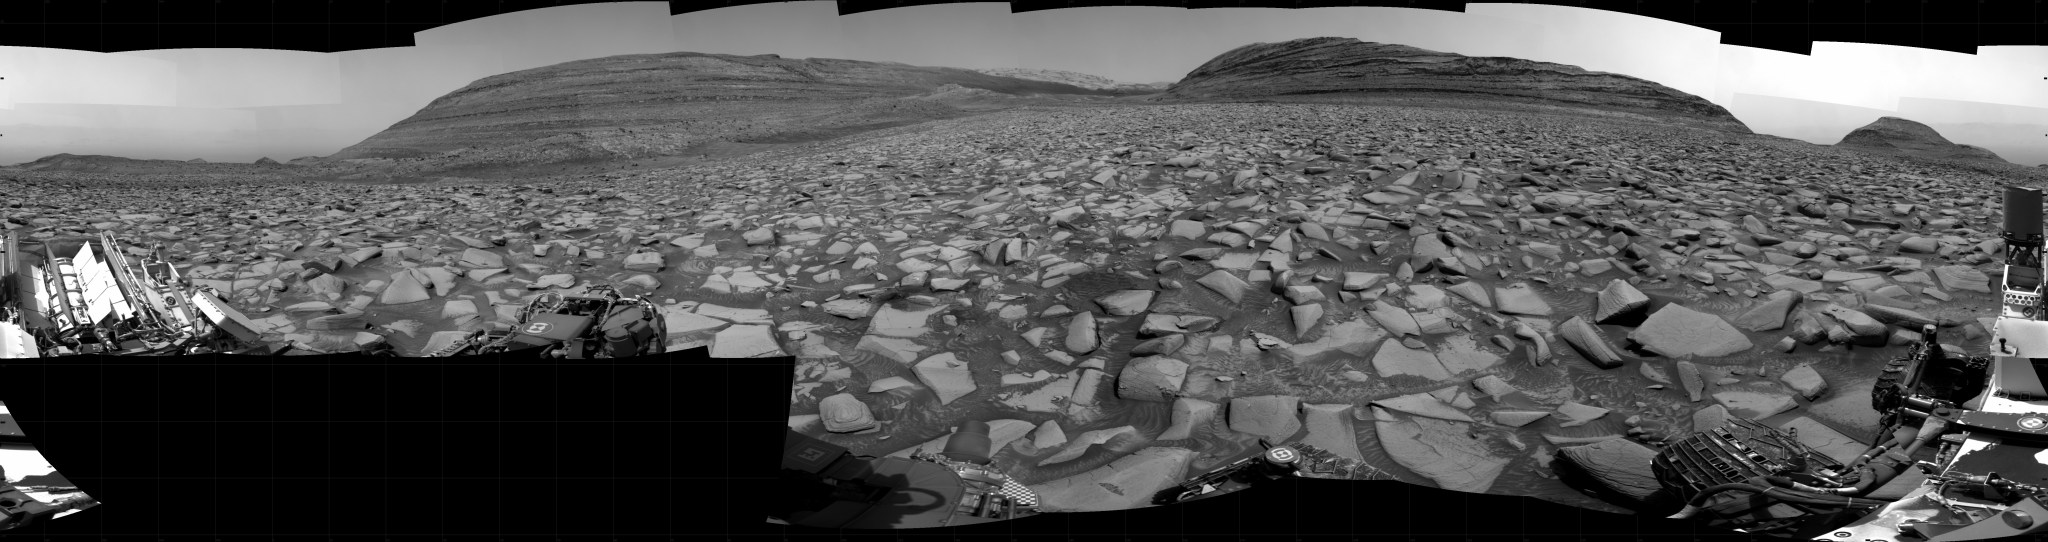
1329,428
1188,414
1275,417
1618,465
947,375
1676,331
1439,450
749,341
1590,341
1152,378
1125,483
1755,400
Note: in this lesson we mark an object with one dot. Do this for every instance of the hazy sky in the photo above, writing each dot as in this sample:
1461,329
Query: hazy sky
241,104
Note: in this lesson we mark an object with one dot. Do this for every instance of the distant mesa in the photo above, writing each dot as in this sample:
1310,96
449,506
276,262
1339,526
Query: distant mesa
266,161
1895,135
1349,70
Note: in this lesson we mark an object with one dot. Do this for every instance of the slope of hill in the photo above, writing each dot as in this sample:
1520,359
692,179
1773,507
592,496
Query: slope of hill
1326,68
1895,135
664,105
1074,78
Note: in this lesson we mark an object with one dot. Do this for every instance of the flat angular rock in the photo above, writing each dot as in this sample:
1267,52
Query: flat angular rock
1619,465
1396,321
1771,314
1806,381
850,308
1126,483
1689,378
746,342
645,262
1755,400
911,322
1473,292
1126,302
1275,417
1305,318
1439,450
1394,358
1226,284
1078,445
1520,299
1518,418
1423,404
482,259
1576,414
1359,280
1590,341
404,288
1676,331
1330,428
1957,277
1619,301
946,375
1154,378
1188,414
903,351
1081,333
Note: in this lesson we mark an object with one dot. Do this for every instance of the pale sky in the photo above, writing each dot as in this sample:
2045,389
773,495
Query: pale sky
241,104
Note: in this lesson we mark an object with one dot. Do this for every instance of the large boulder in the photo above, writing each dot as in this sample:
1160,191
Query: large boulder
405,288
482,259
1958,277
1806,381
1225,283
1676,331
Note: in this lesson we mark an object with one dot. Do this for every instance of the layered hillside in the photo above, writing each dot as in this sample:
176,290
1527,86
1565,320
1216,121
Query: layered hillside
1322,68
647,106
1895,135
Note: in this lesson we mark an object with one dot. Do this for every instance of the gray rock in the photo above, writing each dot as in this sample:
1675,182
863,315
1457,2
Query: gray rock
1125,483
1619,465
746,341
1590,341
1081,333
843,413
1806,381
947,375
1225,283
1276,417
1957,277
1520,299
1676,331
1154,378
1439,450
1125,302
1394,358
1188,414
1770,314
1619,301
1329,428
1755,400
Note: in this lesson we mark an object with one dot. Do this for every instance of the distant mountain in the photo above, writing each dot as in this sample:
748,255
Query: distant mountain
1901,136
102,164
1340,68
635,107
1073,78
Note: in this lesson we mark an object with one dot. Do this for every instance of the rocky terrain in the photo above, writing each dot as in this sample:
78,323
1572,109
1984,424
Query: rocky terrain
1349,69
1082,80
1133,292
1141,292
1901,136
